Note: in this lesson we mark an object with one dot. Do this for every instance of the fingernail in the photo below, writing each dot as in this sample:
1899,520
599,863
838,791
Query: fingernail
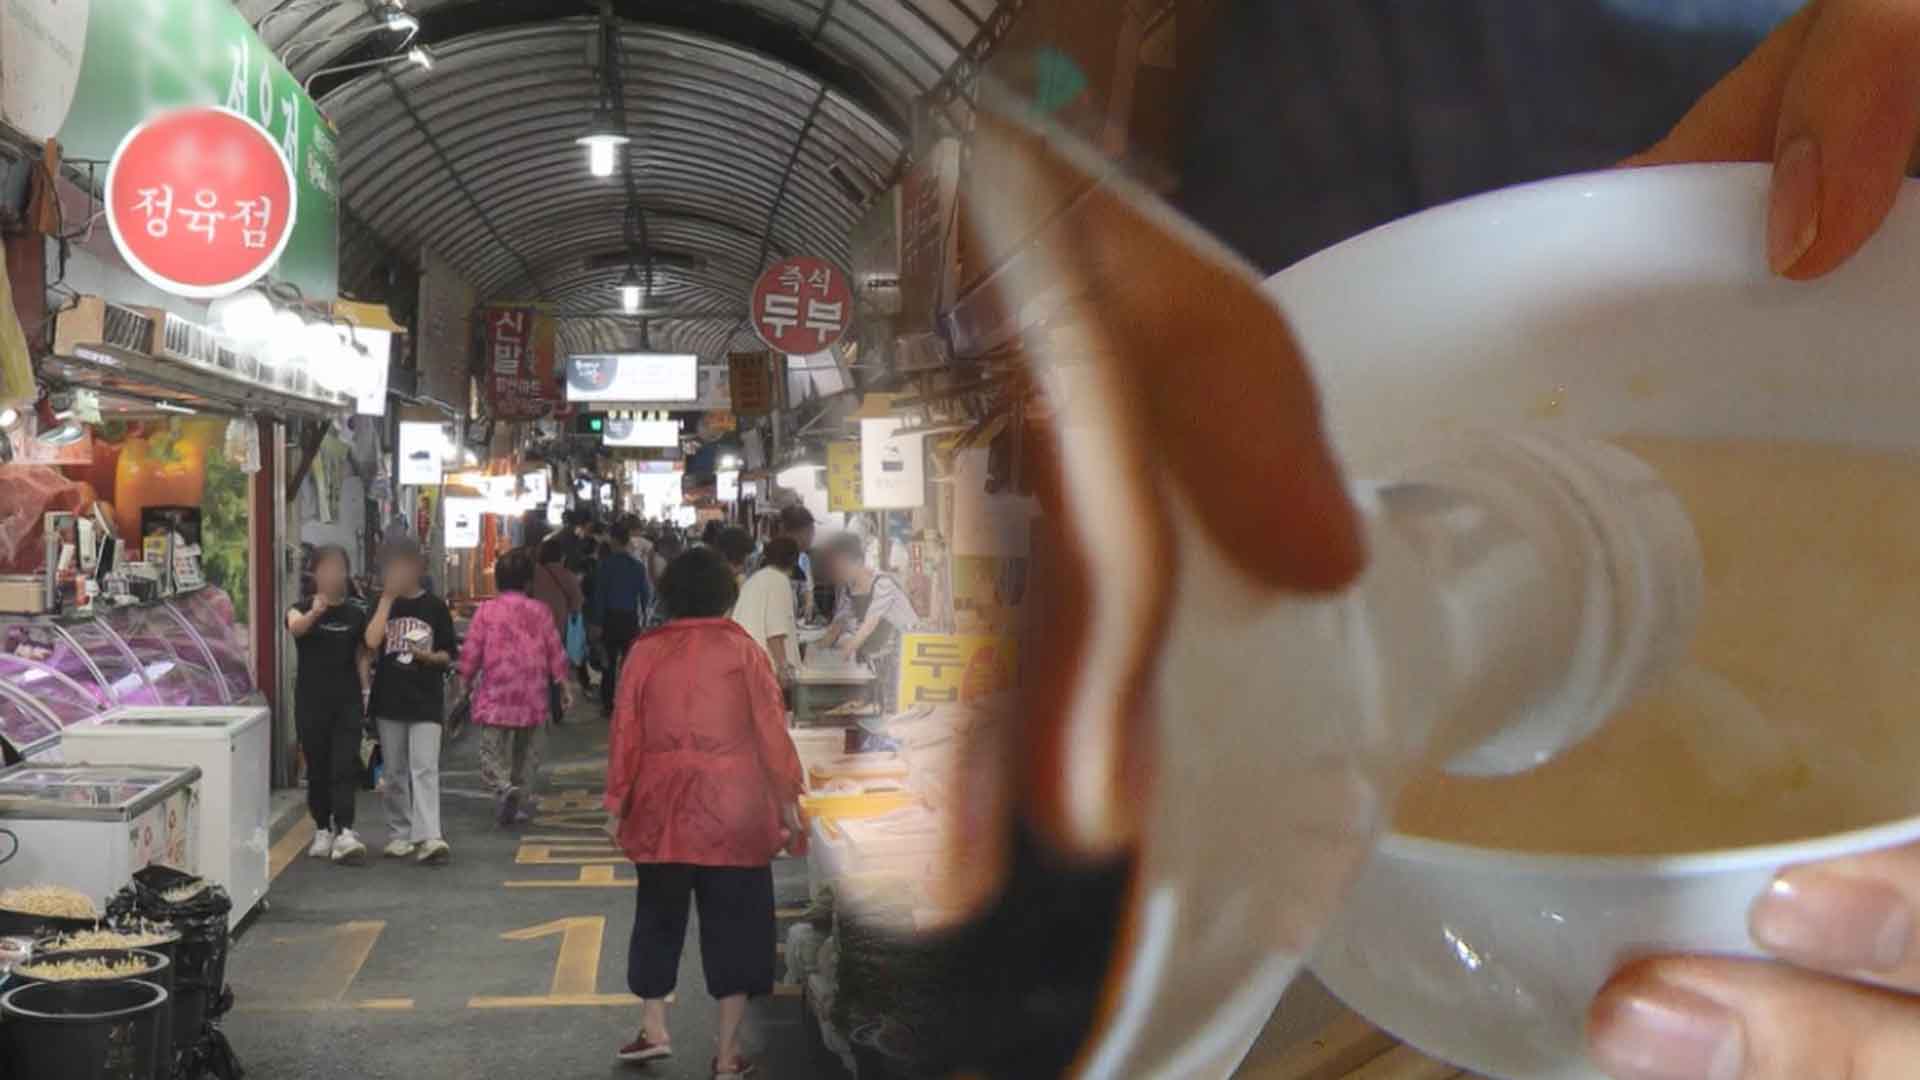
1662,1032
1793,211
1836,923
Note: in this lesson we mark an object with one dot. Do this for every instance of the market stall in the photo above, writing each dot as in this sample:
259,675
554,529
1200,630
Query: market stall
884,871
829,691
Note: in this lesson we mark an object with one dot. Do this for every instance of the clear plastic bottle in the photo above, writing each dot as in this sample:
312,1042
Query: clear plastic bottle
1520,589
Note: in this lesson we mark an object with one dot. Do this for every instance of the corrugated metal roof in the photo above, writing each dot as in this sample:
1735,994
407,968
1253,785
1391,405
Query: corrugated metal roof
905,46
476,159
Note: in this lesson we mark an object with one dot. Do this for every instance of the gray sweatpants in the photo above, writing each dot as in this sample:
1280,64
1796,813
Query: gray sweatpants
411,779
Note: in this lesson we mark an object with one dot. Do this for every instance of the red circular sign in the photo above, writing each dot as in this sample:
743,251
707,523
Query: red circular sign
801,305
199,201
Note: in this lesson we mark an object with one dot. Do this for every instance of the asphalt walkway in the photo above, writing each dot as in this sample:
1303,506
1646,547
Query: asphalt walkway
508,962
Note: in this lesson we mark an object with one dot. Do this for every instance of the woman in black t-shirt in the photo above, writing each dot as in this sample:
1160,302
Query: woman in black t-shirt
411,635
329,627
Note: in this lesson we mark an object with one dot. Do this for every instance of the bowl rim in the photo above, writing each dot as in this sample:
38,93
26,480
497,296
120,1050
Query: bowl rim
1420,849
1658,181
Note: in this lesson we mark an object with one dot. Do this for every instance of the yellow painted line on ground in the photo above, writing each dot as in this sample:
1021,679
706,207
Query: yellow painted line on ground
591,877
569,855
786,989
552,1001
308,1005
594,822
575,841
289,848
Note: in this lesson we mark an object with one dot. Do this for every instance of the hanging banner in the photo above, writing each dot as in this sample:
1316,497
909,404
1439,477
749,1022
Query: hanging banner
892,469
535,484
927,222
843,477
445,340
750,381
89,71
422,445
199,201
463,522
956,669
523,381
801,305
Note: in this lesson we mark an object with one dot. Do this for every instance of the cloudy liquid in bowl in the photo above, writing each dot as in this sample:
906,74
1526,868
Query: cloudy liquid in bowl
1798,712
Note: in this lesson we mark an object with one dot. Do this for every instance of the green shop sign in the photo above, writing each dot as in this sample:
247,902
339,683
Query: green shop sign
89,71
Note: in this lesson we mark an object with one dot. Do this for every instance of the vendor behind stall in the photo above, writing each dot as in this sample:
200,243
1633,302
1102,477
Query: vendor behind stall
870,612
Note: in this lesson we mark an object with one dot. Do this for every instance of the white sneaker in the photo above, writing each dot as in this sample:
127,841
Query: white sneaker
434,851
347,848
399,849
322,845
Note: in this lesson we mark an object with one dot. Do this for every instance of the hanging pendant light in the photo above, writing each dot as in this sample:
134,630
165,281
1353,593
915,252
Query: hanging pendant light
630,291
603,140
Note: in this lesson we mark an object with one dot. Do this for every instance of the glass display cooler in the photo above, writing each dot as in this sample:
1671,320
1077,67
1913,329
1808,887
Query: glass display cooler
229,745
89,827
60,672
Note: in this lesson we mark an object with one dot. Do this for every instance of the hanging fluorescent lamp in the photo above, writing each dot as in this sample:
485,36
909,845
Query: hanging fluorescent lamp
603,140
630,291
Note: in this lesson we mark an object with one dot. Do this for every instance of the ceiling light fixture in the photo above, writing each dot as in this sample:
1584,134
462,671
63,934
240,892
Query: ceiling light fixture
603,140
630,291
421,56
397,18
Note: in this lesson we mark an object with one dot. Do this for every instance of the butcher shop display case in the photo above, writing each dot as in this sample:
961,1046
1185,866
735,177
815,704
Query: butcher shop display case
58,672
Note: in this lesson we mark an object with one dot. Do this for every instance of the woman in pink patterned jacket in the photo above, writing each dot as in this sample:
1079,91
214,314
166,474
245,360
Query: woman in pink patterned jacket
513,661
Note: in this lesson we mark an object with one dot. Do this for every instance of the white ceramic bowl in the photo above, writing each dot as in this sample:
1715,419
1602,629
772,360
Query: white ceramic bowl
1624,302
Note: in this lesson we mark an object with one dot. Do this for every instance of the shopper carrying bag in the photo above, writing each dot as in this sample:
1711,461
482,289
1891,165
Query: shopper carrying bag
513,663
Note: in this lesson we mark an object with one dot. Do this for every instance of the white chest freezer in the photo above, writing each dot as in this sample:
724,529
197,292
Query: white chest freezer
89,827
229,745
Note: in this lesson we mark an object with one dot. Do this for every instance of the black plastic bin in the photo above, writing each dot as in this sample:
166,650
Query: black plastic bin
90,1030
189,1004
159,972
200,960
21,924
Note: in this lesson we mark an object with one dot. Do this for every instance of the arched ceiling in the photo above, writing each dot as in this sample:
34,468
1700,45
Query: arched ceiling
741,112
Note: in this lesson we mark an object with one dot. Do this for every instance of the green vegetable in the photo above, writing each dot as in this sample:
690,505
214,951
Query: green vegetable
223,529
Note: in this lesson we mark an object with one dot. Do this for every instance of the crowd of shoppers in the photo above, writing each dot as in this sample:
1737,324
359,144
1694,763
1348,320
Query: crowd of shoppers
694,644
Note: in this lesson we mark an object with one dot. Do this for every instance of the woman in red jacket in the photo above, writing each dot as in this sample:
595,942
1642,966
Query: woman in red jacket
701,787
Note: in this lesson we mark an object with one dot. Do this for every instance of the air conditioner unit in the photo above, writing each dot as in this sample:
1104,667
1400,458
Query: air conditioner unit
155,355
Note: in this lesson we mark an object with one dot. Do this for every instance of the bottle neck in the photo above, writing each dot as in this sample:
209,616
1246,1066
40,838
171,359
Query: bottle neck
1565,577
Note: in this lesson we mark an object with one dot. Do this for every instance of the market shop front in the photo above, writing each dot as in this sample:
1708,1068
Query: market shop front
171,346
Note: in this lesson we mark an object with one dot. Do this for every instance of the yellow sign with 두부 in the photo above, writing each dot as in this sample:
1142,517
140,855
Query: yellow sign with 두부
956,669
843,477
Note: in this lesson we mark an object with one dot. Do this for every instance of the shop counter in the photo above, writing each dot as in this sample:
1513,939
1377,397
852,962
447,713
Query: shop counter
831,693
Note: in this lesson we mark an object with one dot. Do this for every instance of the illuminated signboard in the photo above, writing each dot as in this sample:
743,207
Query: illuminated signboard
633,377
